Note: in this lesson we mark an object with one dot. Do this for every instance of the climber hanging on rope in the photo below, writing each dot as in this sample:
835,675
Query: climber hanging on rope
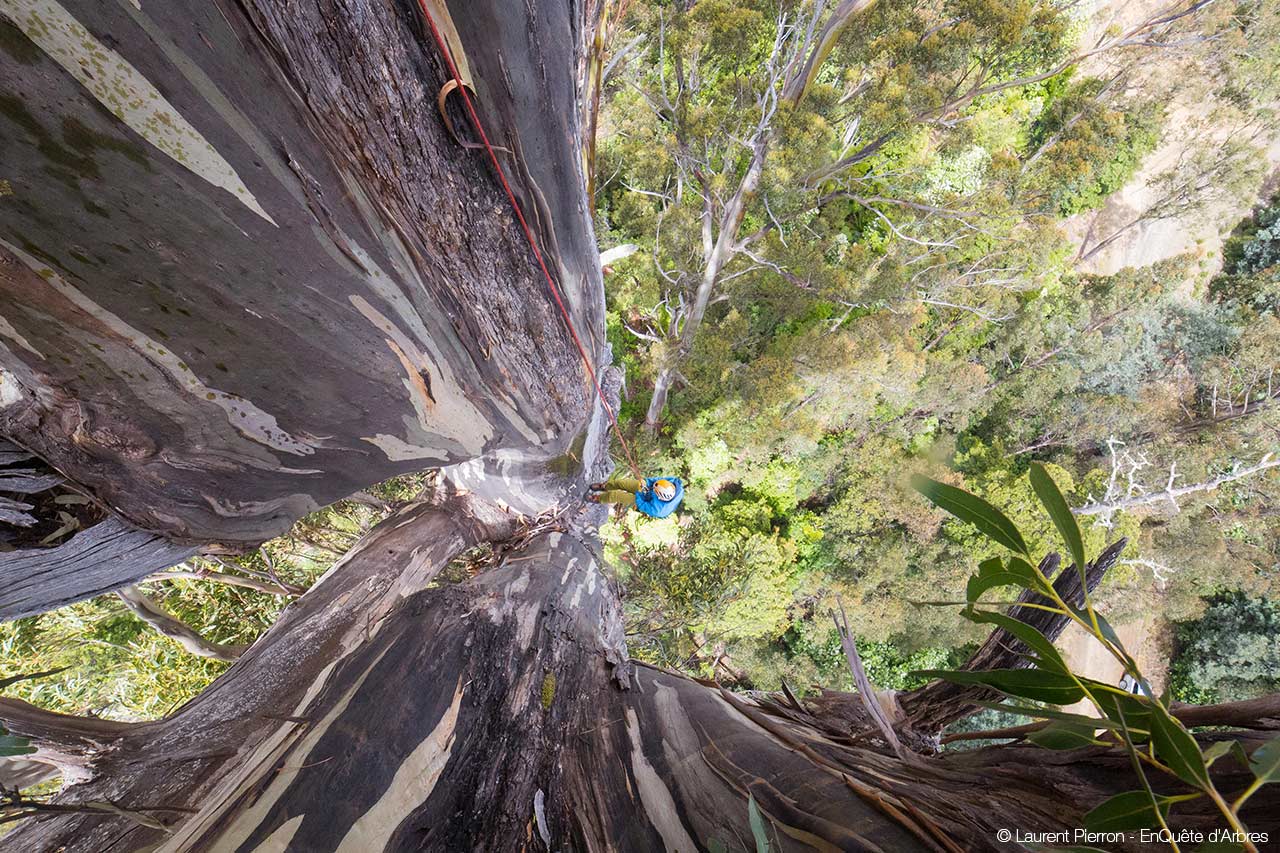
656,497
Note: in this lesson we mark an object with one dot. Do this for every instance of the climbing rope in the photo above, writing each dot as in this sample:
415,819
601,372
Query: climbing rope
461,88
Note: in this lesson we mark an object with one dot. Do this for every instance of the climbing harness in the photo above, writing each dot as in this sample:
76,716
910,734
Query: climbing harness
461,88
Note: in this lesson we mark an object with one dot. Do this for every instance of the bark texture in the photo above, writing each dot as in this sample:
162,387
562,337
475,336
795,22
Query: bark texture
500,714
245,271
71,744
92,562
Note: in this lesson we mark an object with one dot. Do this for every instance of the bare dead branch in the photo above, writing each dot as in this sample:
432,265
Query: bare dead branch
149,611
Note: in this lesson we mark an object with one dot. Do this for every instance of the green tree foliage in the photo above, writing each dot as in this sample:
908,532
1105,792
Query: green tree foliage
1231,652
912,310
1087,148
110,664
1262,250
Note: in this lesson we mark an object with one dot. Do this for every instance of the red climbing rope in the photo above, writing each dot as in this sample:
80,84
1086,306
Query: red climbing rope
533,244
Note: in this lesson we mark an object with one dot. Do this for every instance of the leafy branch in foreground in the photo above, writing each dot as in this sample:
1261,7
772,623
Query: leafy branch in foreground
1141,724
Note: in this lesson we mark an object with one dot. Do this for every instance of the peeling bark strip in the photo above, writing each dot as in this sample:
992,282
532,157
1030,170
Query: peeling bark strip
90,563
19,773
244,271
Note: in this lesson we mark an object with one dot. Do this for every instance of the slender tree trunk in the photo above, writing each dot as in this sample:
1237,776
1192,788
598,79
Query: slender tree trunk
149,610
717,256
230,579
658,402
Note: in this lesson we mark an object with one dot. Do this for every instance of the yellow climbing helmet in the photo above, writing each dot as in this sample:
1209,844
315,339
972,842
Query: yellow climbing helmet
665,490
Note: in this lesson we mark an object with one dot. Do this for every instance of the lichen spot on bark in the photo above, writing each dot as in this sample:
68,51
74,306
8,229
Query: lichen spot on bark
10,390
548,690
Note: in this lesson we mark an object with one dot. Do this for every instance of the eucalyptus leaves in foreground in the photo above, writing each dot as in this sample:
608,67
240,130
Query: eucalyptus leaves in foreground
1142,725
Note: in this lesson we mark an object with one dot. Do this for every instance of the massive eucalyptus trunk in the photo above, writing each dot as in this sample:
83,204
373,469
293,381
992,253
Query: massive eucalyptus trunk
245,270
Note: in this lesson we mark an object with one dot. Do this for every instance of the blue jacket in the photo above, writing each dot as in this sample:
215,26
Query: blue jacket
648,503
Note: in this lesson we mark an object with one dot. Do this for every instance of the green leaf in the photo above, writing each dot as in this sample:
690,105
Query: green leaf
14,745
1064,735
1118,705
757,825
1048,656
1035,580
1109,633
1047,491
1265,762
972,509
1017,573
990,566
1216,750
1176,747
1048,714
979,584
1130,810
1036,684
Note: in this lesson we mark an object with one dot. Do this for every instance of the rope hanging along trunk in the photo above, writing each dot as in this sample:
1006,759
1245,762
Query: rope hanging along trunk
461,88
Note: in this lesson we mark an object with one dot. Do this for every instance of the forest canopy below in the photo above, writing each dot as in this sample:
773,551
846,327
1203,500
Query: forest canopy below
966,238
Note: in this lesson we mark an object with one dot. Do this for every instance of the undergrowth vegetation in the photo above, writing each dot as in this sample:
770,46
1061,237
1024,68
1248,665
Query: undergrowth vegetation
107,663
